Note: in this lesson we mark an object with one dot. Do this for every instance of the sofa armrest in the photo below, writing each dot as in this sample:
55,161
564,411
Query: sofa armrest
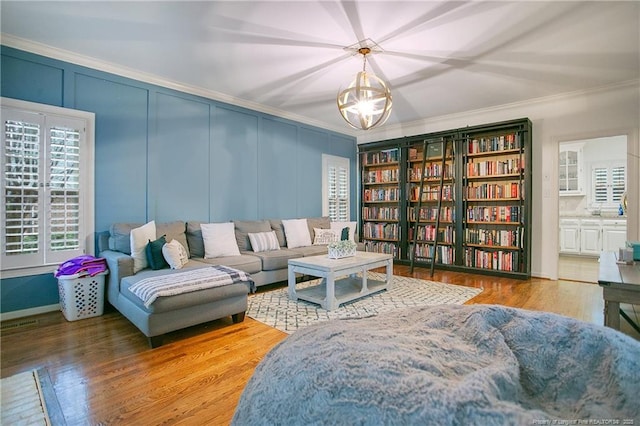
120,266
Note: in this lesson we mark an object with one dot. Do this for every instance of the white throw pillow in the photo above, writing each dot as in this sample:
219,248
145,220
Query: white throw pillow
339,226
263,241
297,232
140,237
325,236
219,240
175,254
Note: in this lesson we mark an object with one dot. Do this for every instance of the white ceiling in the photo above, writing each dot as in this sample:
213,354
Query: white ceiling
287,57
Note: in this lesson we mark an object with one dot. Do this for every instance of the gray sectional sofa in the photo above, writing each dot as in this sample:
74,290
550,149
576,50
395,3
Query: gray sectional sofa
172,313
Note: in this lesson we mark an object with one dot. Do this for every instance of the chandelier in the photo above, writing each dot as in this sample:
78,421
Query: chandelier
366,103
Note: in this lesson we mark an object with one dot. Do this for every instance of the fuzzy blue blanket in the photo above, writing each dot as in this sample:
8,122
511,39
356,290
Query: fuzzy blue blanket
445,365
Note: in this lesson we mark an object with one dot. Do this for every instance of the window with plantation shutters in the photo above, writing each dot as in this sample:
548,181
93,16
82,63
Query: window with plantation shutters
335,187
47,190
608,183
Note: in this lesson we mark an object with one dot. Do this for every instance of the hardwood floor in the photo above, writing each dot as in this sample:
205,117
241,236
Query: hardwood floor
104,373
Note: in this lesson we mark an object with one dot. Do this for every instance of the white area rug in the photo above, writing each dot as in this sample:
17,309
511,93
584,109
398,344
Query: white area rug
22,401
275,309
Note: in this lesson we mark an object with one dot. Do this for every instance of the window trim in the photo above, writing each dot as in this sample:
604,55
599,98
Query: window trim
87,176
328,160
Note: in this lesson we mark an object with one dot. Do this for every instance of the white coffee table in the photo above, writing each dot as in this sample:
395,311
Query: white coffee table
339,283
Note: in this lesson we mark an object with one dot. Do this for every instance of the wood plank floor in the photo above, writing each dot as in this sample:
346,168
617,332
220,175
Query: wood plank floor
103,372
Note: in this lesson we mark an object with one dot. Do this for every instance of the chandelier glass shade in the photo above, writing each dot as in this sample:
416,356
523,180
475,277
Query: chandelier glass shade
366,102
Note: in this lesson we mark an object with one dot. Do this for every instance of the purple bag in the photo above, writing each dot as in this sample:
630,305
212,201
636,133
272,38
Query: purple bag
84,265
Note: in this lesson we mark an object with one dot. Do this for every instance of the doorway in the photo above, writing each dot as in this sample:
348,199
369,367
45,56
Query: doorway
592,179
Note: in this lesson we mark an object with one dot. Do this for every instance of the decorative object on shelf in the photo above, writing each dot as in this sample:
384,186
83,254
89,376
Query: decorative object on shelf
340,249
366,103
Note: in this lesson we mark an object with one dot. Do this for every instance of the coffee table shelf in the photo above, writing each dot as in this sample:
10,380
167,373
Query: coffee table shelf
343,280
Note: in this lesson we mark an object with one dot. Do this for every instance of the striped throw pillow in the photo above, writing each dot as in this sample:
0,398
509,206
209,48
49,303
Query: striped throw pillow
263,241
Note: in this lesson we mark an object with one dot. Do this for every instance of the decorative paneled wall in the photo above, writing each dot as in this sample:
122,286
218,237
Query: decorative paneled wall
163,154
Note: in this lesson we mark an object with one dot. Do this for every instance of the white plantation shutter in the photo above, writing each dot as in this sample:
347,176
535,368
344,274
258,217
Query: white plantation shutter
618,183
608,184
45,163
21,162
335,187
63,189
600,184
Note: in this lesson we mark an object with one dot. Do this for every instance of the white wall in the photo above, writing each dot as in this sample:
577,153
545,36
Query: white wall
614,110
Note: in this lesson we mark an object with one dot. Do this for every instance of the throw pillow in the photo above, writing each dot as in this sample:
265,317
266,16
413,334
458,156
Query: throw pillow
139,239
297,233
339,226
263,241
219,240
324,236
175,254
344,236
154,253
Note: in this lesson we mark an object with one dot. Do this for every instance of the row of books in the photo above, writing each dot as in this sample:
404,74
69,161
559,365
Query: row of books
447,213
380,157
431,171
493,191
381,194
493,214
387,231
429,232
446,254
431,192
381,213
381,247
498,260
494,143
507,166
380,176
493,237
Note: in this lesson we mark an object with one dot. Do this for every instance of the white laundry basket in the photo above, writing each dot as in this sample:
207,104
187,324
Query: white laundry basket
81,295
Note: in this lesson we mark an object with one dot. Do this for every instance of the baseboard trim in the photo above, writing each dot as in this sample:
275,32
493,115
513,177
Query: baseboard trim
6,316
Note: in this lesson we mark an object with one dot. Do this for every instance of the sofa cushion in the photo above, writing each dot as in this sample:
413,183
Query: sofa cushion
245,262
120,234
175,254
325,236
140,237
155,259
276,259
317,222
297,232
185,300
194,239
244,227
278,228
263,241
339,226
173,231
219,240
310,250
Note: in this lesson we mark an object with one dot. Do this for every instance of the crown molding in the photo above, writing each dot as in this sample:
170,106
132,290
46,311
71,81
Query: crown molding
100,65
399,130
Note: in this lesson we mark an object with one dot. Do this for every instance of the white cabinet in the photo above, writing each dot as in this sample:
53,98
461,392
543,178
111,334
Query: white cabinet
591,236
614,234
570,236
570,169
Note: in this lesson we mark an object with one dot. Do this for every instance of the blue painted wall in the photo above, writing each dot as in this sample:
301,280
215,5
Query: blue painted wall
163,154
